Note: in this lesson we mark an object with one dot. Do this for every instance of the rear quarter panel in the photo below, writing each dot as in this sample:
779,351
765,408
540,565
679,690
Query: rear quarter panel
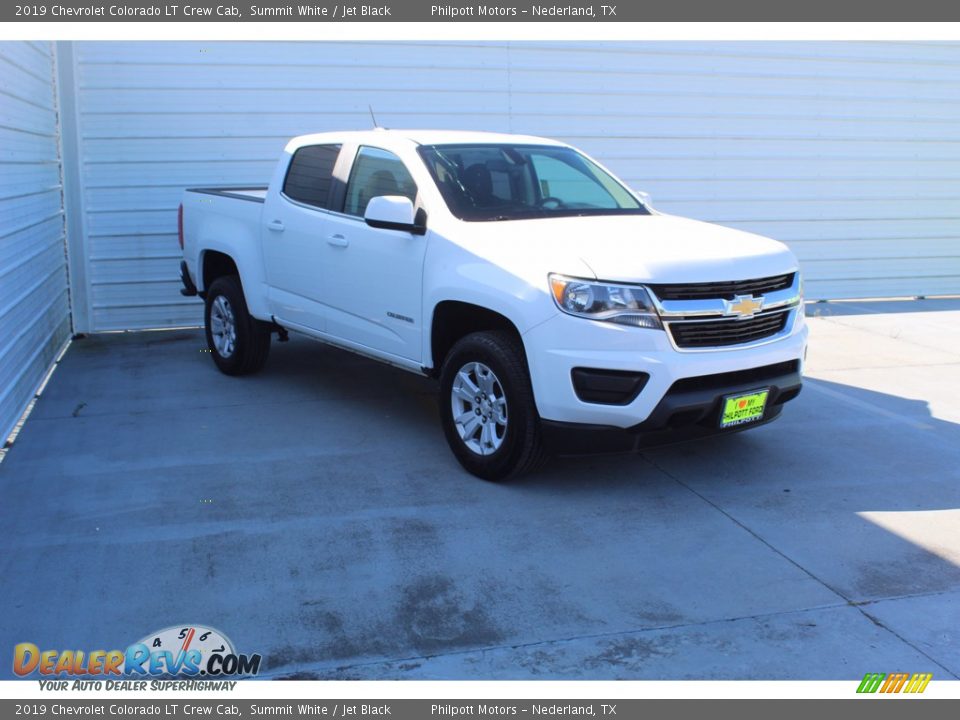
230,226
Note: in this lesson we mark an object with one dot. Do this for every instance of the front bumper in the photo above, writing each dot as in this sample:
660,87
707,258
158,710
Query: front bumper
559,345
690,409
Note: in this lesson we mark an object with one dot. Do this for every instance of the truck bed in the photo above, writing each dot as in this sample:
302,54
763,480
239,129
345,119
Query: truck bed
252,194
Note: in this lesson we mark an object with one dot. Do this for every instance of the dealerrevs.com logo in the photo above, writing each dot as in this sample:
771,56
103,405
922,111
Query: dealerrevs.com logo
190,651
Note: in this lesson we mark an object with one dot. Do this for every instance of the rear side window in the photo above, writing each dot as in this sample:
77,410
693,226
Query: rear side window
310,175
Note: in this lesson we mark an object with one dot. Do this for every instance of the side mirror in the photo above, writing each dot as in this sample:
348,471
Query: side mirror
395,212
643,197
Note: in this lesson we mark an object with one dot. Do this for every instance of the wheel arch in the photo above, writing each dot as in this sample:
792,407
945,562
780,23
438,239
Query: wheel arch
452,320
215,264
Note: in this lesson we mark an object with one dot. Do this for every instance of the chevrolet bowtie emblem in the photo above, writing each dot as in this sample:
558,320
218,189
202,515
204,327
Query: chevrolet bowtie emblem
744,306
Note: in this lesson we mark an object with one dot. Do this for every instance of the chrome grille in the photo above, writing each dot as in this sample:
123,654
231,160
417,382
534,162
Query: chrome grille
725,290
728,331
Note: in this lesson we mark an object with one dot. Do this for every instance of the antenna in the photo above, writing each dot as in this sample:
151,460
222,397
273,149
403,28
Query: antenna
373,117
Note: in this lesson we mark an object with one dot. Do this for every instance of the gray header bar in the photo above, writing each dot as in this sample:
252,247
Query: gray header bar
460,11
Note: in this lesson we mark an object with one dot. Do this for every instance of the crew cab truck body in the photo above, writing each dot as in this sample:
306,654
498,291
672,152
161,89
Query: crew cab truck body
558,310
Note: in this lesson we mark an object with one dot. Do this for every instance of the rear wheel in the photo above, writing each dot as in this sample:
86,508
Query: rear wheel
487,407
238,342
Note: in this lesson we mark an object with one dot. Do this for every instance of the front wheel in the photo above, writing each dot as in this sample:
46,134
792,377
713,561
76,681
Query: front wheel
238,342
487,407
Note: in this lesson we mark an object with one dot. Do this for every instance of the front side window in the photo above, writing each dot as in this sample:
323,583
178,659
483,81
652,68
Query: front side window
310,175
376,172
516,182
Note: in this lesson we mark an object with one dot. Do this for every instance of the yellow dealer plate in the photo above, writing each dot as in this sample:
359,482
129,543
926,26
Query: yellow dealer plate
741,409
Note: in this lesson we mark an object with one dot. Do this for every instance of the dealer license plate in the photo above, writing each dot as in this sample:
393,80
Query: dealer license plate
745,408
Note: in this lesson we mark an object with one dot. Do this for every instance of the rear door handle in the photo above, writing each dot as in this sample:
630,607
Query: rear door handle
276,226
338,240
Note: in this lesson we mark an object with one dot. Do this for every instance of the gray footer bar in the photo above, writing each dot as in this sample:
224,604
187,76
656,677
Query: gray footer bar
874,708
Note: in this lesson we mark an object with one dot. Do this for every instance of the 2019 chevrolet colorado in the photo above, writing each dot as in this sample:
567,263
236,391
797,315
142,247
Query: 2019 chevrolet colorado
559,311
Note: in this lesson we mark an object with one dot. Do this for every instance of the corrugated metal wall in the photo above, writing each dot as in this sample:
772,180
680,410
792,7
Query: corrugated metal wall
34,309
850,152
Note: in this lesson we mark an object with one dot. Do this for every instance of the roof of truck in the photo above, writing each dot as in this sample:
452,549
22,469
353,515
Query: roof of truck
419,137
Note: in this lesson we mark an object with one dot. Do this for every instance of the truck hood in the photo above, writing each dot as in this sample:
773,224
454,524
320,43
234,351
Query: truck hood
628,248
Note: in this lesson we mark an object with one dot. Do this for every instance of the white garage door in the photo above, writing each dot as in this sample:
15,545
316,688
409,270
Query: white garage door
34,311
850,152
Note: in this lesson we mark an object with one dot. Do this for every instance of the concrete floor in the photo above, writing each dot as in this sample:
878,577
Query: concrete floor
314,514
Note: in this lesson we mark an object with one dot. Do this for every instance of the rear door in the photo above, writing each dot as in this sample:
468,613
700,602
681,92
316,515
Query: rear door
294,236
374,280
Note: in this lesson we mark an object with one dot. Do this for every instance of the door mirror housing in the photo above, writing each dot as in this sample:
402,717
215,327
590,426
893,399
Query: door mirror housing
395,212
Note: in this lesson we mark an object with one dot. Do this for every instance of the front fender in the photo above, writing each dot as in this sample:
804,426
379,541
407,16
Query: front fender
478,282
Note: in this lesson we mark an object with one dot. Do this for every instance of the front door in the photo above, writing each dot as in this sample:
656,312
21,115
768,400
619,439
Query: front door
374,276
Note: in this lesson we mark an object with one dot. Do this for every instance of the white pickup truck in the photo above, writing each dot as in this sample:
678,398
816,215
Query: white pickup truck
558,310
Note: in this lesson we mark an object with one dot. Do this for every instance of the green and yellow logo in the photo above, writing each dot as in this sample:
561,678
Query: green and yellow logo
894,682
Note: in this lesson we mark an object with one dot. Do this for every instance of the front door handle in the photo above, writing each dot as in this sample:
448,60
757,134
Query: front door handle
338,240
276,226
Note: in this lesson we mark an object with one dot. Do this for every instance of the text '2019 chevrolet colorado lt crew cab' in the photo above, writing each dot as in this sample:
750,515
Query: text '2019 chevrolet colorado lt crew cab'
559,311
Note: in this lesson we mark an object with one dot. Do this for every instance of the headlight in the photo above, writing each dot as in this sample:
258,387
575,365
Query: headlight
623,304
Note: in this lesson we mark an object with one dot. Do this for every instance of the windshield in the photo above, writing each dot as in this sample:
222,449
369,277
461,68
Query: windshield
516,182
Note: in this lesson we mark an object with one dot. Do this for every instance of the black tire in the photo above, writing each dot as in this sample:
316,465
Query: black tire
521,448
252,337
